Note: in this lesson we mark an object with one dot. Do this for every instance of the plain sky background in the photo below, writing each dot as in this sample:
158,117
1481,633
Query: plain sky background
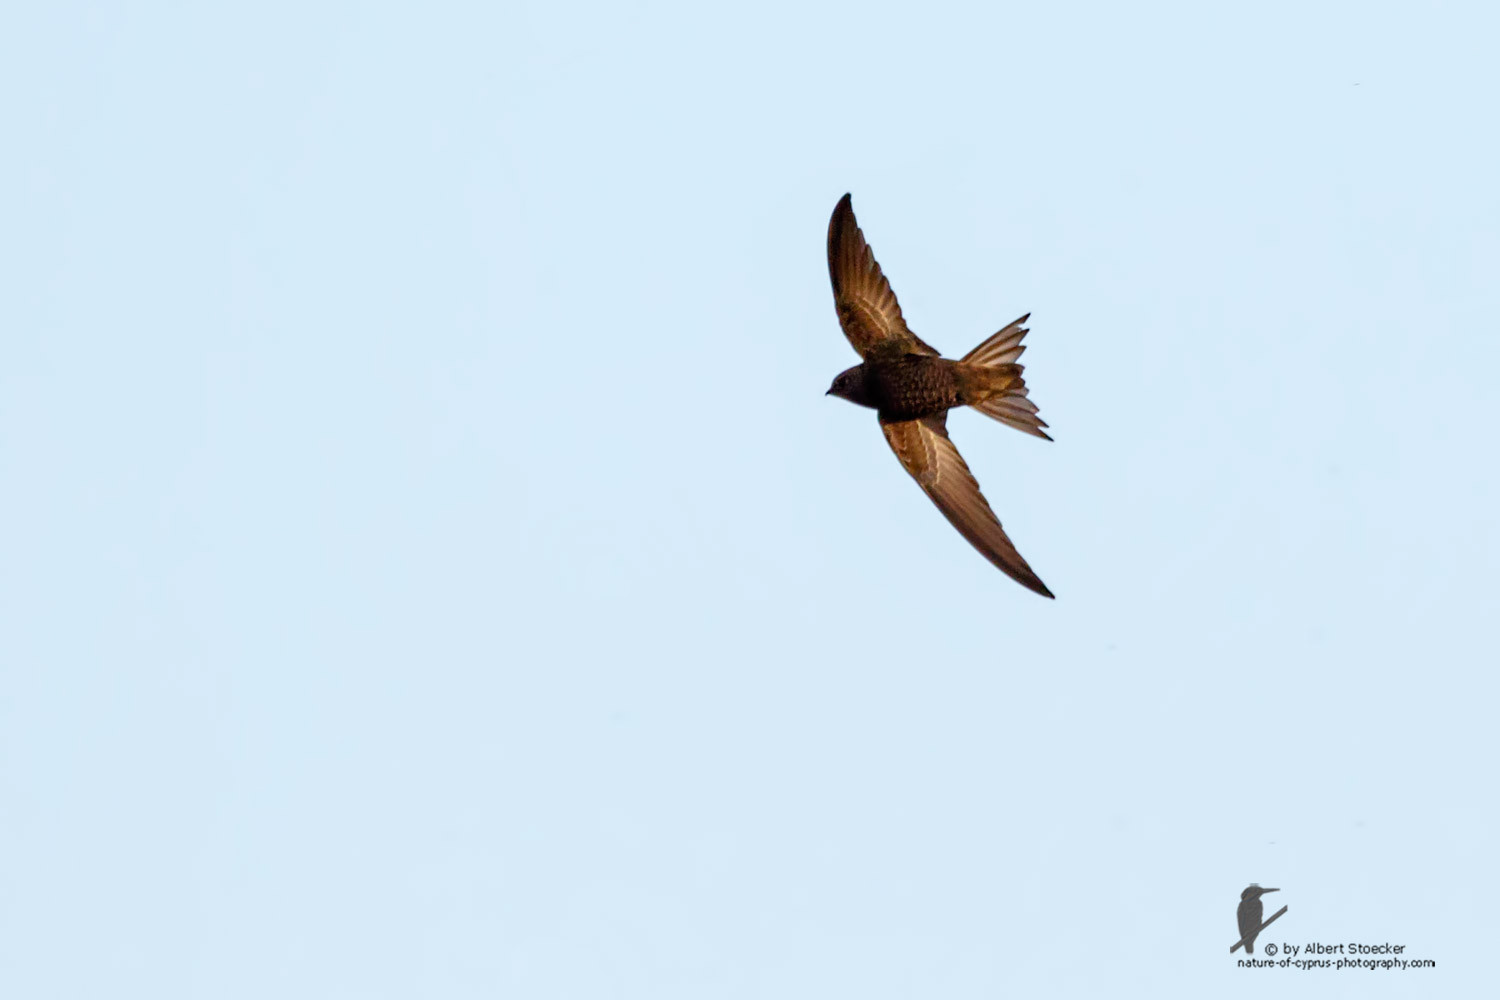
431,567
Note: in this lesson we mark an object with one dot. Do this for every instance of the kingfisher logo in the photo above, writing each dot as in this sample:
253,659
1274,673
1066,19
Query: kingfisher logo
1249,917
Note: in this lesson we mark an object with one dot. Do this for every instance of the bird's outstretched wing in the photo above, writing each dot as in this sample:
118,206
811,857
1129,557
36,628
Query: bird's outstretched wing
926,452
868,310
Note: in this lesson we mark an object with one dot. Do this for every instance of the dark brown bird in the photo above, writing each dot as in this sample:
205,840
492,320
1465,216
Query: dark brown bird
912,389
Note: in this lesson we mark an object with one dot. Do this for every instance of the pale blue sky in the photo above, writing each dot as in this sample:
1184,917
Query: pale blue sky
431,566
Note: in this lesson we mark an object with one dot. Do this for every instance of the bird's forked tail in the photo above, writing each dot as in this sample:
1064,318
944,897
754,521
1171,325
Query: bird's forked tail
993,383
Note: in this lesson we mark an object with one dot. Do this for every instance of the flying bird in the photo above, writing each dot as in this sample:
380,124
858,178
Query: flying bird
1249,913
912,389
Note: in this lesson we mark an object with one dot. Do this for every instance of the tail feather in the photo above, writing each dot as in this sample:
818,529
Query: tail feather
1001,349
1015,410
999,391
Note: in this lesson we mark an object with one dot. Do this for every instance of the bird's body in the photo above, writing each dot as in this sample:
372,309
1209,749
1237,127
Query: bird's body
912,388
1249,915
906,387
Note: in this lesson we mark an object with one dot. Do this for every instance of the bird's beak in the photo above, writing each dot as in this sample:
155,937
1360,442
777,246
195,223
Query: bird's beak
1264,891
828,393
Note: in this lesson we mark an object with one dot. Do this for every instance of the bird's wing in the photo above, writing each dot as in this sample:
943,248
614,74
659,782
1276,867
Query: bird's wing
1248,916
868,310
926,452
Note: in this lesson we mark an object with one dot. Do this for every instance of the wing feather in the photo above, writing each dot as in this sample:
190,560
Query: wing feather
929,456
867,308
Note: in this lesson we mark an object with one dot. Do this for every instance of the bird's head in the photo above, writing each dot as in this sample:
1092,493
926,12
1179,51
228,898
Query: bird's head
1253,891
850,385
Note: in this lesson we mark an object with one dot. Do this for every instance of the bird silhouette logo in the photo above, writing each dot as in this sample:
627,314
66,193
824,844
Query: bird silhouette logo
1249,915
